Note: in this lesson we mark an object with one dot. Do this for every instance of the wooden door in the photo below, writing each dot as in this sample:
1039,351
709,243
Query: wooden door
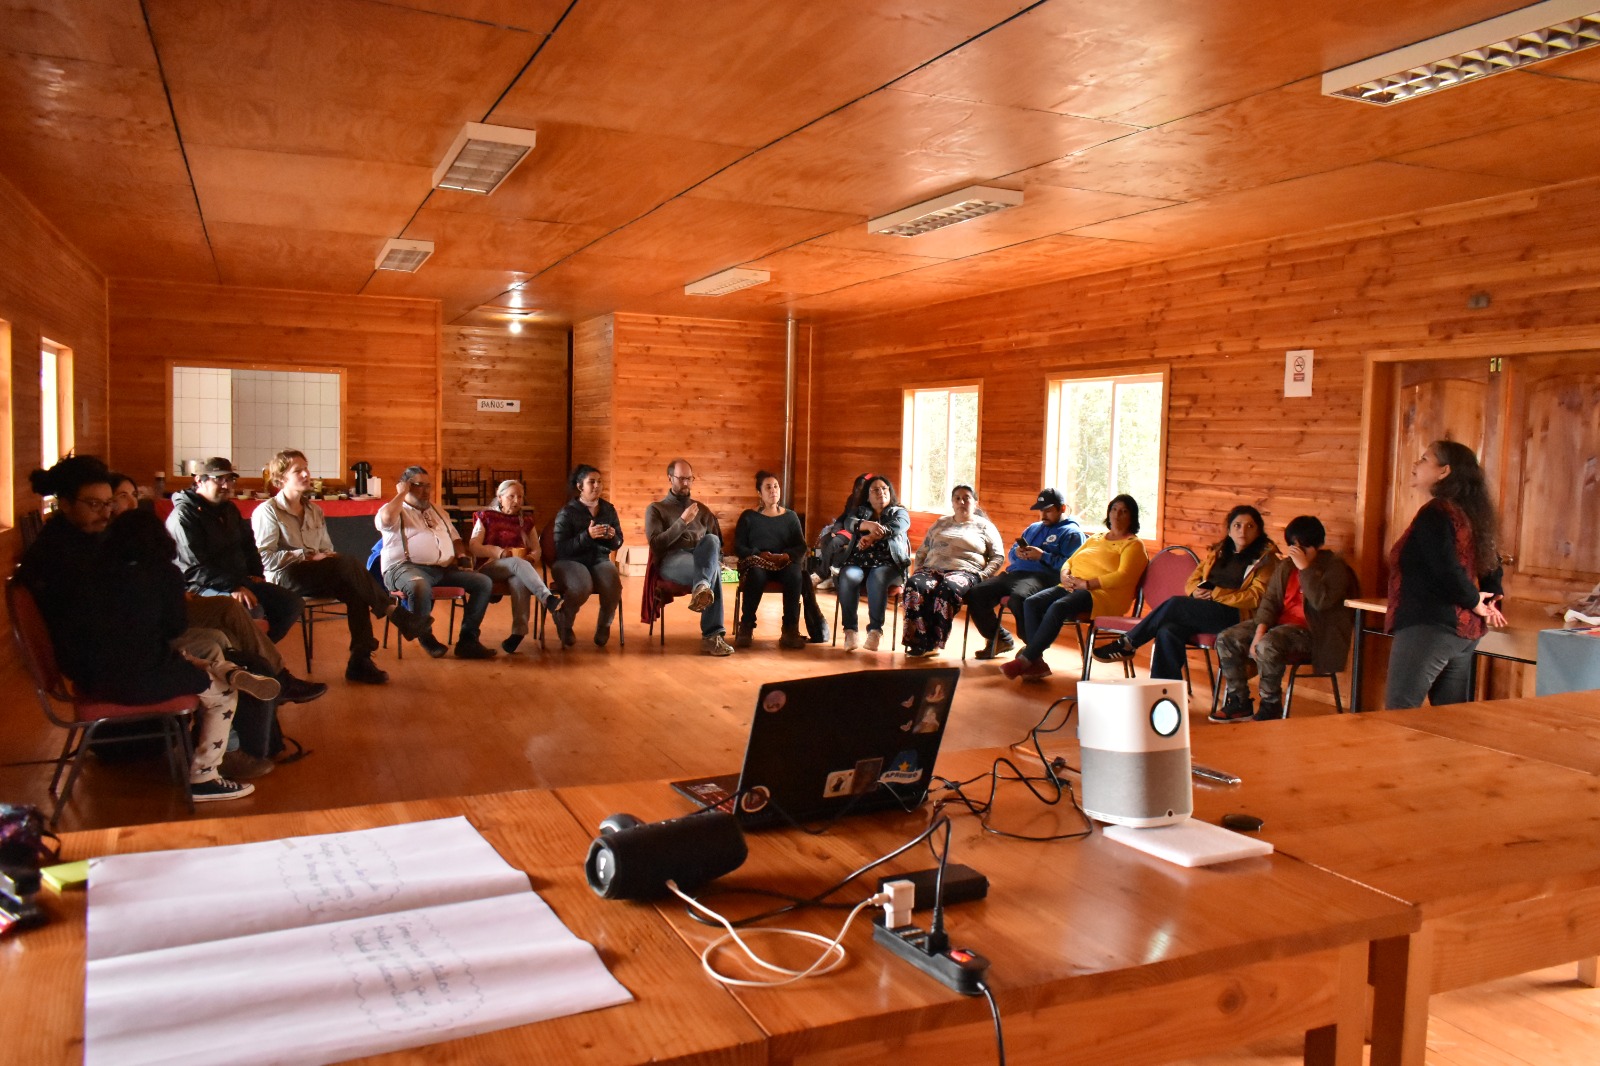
1435,400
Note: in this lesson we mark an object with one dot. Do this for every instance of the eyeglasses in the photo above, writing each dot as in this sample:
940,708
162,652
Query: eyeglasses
223,479
687,478
420,484
93,503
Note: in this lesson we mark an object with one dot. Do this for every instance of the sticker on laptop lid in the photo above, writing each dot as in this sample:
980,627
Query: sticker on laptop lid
839,783
904,769
773,702
754,799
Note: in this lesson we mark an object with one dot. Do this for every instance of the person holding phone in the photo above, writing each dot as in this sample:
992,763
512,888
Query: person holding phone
587,531
1222,591
1444,581
506,543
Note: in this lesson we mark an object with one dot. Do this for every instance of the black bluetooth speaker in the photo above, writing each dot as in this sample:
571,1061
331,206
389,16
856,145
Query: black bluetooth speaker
635,860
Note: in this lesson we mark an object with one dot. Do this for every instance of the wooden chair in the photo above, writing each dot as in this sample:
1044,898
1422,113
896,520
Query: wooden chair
497,476
462,482
1162,579
85,715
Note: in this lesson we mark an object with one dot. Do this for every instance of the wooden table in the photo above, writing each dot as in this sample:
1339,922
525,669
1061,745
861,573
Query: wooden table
1563,729
1100,953
677,1016
1498,851
1517,642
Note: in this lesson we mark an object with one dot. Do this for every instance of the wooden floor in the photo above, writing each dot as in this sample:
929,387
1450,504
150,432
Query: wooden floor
548,718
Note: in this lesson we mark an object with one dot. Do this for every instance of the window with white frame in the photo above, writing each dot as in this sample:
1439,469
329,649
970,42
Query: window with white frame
938,445
1104,436
55,403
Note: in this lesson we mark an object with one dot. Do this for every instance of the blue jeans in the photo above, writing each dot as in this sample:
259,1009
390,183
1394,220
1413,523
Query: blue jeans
1044,613
416,583
849,592
703,565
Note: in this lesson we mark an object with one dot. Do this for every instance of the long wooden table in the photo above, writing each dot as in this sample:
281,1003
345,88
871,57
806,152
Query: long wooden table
676,1016
1496,850
1100,953
1563,729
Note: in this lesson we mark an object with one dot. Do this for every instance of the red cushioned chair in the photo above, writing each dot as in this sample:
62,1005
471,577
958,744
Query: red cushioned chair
1162,579
83,716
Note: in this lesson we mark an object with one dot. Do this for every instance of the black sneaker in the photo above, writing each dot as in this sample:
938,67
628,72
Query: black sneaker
431,645
1236,708
510,644
553,603
469,649
364,671
602,634
220,788
1003,643
1117,651
299,690
1271,711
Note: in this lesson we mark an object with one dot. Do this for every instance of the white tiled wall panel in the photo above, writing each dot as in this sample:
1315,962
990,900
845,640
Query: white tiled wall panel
248,415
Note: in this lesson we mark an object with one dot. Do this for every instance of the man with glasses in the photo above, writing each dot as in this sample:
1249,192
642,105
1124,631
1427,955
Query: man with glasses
421,549
217,553
686,547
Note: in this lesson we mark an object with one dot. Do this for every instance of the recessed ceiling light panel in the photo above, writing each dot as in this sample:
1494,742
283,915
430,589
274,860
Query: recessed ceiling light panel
404,255
728,281
946,210
1529,35
481,157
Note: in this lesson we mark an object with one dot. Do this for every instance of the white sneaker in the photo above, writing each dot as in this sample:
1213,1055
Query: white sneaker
873,637
851,641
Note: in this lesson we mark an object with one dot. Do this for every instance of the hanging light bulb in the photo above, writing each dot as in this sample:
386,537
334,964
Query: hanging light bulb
516,325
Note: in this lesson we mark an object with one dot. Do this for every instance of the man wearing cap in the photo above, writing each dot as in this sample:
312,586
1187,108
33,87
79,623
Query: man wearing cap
1033,564
218,557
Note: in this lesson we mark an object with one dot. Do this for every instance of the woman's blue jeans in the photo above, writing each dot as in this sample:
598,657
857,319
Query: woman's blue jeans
849,585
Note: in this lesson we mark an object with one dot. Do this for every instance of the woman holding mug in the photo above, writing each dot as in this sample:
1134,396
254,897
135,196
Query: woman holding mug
505,536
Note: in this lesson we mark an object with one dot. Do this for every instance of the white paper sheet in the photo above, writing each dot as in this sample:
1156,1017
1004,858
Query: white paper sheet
319,949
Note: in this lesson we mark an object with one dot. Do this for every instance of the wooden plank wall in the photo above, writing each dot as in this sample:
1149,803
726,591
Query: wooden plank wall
1222,321
388,346
708,390
531,367
593,427
47,289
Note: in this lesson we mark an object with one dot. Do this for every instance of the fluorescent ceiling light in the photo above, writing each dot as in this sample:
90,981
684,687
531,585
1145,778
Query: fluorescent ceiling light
728,281
945,210
481,157
404,255
1543,31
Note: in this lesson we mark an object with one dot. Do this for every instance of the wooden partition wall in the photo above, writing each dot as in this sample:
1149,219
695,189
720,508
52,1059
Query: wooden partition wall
47,290
529,367
1222,322
647,389
388,348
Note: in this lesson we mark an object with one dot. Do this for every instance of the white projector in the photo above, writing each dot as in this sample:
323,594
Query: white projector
1134,736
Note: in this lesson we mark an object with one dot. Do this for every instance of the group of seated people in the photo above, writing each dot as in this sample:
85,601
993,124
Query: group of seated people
141,613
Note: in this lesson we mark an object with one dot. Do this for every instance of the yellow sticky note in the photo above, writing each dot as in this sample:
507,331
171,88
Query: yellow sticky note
66,875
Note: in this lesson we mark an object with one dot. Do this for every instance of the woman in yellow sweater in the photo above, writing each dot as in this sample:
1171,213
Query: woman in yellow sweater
1224,589
1100,578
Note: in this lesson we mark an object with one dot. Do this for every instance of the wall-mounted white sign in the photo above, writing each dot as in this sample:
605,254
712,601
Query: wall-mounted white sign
500,405
1297,367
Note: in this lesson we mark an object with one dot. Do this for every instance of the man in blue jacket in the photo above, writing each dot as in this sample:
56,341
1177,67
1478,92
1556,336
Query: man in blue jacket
1033,564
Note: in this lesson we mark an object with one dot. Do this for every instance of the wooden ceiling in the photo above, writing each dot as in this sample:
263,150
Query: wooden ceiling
279,143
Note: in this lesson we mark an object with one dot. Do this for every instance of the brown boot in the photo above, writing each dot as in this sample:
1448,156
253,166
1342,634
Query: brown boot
792,637
746,633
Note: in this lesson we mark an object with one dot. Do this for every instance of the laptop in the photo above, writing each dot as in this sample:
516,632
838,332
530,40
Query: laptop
824,747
